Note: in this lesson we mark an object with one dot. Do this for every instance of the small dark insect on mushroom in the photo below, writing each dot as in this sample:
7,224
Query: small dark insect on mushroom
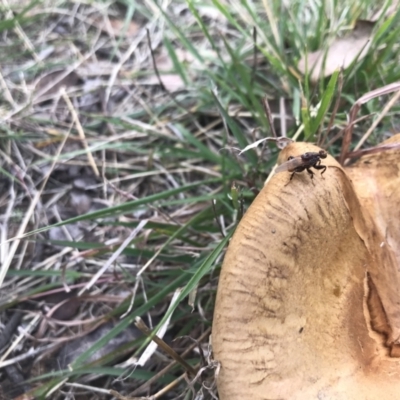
304,162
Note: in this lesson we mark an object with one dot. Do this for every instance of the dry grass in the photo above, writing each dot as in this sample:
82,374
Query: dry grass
115,189
89,136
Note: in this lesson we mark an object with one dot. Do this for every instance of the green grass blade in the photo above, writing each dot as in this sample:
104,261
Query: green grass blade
325,104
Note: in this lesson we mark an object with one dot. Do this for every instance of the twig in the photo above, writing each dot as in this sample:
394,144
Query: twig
221,229
282,116
149,382
153,60
393,87
269,116
253,72
373,150
170,95
170,386
172,353
386,109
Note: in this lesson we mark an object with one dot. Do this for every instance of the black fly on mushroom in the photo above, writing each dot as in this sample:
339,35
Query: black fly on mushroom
303,162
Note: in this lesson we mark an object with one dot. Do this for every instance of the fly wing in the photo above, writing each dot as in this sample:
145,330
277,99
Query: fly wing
290,165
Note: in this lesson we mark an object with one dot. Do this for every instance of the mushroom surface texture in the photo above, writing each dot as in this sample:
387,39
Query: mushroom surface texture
308,302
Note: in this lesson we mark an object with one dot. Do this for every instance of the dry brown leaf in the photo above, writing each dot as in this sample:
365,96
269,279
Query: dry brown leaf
119,28
171,81
301,288
164,62
341,53
387,12
61,306
116,27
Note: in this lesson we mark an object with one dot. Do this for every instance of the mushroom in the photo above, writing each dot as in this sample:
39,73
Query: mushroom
308,302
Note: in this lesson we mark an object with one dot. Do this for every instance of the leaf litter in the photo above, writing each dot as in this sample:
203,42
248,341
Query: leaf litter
90,142
341,53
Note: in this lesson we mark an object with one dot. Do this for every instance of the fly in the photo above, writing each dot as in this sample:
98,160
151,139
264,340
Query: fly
304,162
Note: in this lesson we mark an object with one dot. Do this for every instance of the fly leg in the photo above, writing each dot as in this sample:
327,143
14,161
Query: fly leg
310,172
298,169
318,166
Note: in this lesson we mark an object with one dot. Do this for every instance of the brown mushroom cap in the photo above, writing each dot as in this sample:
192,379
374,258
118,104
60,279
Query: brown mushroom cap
292,320
376,181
